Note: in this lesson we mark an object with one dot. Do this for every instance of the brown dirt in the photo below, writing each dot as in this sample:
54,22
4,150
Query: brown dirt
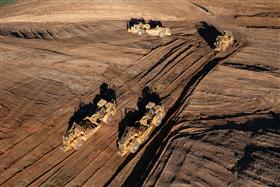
222,122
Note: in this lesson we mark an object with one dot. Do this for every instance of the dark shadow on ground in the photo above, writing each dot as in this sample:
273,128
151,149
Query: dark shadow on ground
248,158
131,115
135,21
208,32
154,23
105,92
254,126
148,95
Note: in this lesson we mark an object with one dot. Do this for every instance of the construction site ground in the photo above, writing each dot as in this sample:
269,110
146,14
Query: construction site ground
223,109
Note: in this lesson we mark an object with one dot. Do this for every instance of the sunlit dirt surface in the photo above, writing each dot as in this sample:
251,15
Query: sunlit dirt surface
223,109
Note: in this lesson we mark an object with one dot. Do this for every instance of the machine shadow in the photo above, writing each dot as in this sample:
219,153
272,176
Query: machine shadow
84,110
154,23
136,21
132,115
208,32
148,95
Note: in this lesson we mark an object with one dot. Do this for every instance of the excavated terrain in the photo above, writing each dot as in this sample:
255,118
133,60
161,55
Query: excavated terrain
222,126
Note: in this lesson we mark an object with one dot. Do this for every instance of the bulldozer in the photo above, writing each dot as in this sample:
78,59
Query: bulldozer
136,135
223,41
82,131
152,28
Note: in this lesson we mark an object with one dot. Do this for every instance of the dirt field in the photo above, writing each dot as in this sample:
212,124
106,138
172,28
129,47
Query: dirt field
222,126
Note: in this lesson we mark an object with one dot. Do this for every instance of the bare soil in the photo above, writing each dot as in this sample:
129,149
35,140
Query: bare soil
223,109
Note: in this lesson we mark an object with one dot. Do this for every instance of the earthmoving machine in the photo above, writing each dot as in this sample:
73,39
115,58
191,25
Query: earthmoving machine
223,41
138,134
137,26
152,28
79,133
159,31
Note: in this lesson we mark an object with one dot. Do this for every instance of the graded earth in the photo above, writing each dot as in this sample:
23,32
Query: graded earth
222,120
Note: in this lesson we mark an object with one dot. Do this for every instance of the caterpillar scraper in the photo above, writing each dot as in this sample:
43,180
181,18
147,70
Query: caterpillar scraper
79,133
152,28
224,41
138,134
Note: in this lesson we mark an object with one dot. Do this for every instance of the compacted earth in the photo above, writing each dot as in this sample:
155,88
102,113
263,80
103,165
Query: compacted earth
222,123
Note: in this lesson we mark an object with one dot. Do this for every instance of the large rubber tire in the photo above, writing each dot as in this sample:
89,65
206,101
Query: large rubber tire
108,119
140,32
78,144
135,147
161,34
87,124
158,122
147,26
224,47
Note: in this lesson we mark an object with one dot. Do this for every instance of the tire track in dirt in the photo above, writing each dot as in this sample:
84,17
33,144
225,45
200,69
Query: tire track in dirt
184,130
55,178
34,127
155,148
119,169
39,132
125,161
172,56
62,128
107,145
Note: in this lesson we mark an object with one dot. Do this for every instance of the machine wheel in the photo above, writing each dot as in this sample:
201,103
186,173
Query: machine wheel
158,122
140,32
134,147
108,119
87,124
78,144
161,34
147,26
136,27
223,47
